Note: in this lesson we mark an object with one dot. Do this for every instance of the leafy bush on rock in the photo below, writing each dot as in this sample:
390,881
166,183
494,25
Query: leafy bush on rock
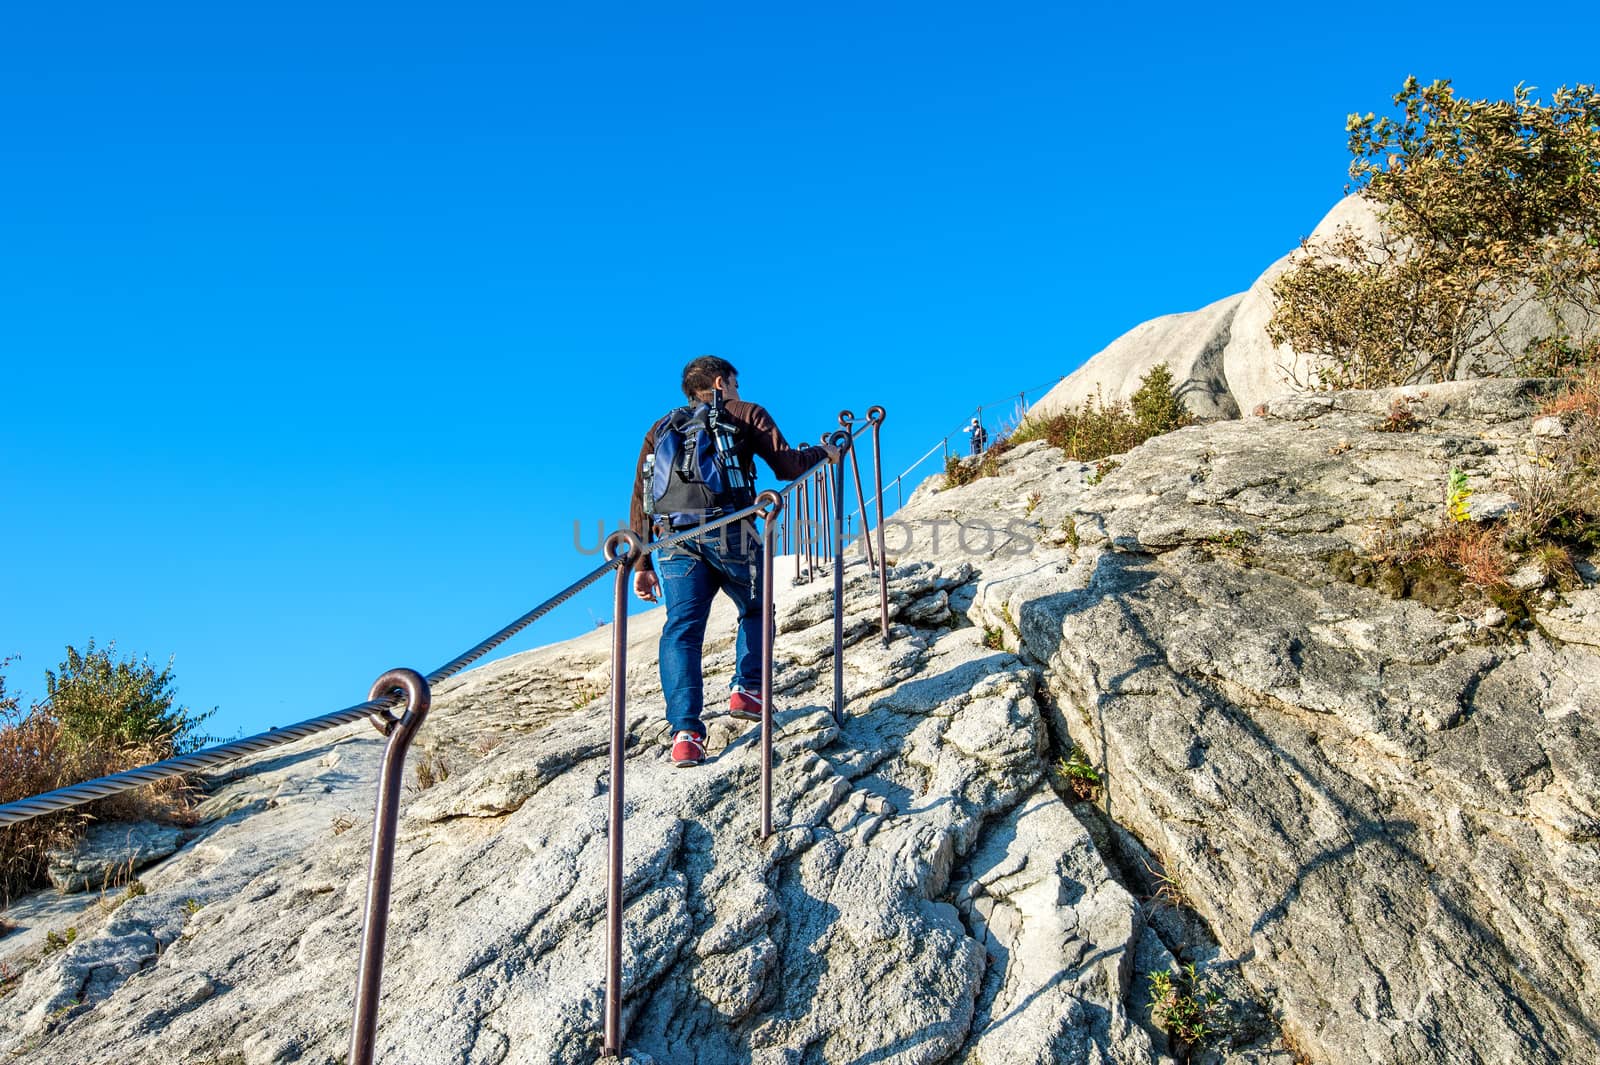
100,716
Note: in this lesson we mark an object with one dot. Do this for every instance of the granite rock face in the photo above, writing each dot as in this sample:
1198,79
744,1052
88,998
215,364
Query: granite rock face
1364,810
108,854
1386,812
926,897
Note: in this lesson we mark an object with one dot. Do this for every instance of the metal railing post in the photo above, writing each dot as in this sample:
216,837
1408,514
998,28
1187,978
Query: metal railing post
875,415
825,489
624,544
810,530
802,542
847,420
401,731
828,534
842,440
768,629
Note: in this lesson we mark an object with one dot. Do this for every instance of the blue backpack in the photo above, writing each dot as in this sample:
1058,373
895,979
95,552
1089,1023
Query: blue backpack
686,479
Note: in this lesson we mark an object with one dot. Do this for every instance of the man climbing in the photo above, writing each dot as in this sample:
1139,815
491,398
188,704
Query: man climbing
682,479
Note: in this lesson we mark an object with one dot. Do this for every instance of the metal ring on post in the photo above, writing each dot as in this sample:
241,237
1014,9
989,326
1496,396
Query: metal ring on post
618,539
401,730
623,544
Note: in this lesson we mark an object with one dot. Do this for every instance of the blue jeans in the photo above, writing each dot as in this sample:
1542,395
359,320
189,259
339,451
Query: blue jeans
690,575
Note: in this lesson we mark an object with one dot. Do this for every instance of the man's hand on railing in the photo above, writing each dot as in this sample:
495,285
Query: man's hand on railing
833,452
645,585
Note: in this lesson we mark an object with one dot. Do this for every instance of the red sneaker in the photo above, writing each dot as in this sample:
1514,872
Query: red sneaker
688,748
745,705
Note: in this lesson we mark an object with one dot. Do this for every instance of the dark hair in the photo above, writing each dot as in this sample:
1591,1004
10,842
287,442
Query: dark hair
702,373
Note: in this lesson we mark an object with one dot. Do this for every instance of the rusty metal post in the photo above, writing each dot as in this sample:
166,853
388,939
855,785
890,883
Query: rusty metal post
847,421
621,544
810,531
842,440
875,415
827,503
824,516
401,731
801,494
774,502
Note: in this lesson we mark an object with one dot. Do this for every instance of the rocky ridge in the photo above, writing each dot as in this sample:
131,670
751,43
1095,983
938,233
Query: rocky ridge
1369,822
922,857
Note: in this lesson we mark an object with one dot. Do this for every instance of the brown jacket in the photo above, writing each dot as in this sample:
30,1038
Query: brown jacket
758,435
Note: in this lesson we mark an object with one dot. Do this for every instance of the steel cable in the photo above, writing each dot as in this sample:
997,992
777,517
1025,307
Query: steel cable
103,787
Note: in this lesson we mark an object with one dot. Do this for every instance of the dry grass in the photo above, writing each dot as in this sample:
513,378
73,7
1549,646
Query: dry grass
431,770
1558,492
959,471
10,977
1401,418
35,757
1477,552
1170,887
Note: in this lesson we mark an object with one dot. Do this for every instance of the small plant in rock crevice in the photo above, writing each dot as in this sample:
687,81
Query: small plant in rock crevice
1171,890
993,638
1457,492
1401,417
1187,1009
1079,776
134,889
431,769
57,941
1033,502
1101,470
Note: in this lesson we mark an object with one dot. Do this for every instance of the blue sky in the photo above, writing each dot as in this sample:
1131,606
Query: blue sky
321,325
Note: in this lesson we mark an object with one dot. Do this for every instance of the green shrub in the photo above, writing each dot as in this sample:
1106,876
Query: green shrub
101,717
102,702
1482,202
959,471
1098,428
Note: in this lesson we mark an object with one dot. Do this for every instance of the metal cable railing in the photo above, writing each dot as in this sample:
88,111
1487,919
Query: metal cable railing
103,787
944,445
812,493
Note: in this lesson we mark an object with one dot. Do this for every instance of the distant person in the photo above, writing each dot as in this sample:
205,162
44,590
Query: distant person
683,479
980,439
